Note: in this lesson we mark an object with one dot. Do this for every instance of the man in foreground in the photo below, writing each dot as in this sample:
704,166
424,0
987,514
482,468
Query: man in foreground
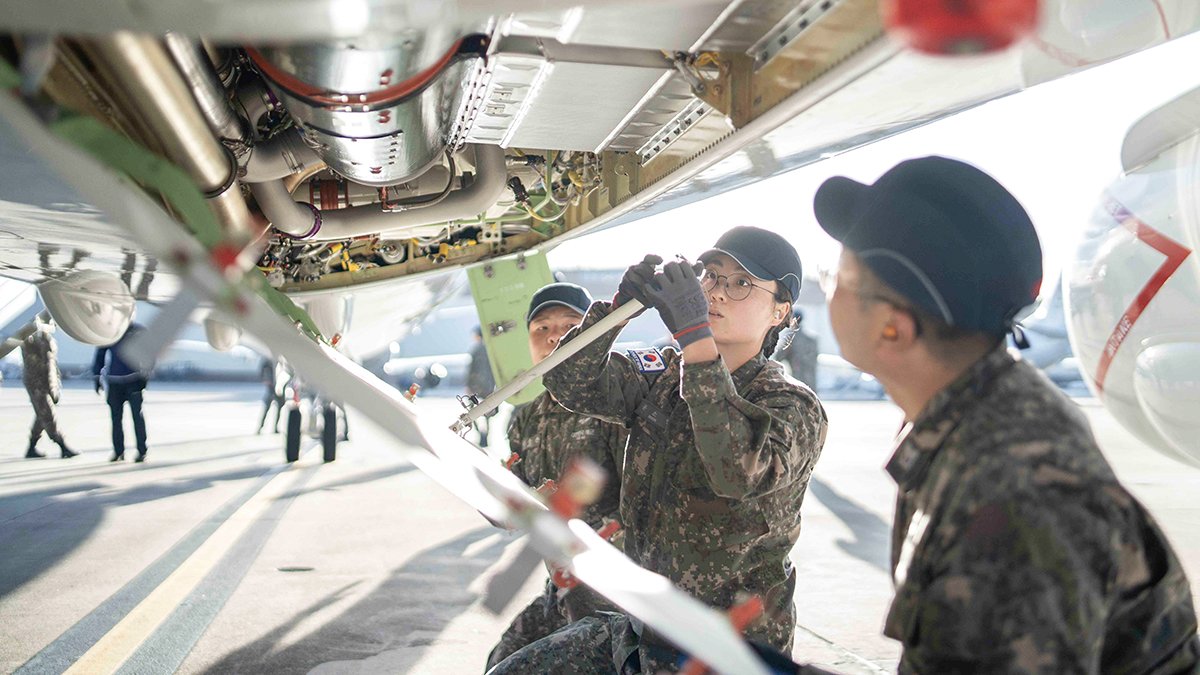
1014,546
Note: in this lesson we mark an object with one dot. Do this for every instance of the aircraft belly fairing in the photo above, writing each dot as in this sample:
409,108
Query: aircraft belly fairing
400,139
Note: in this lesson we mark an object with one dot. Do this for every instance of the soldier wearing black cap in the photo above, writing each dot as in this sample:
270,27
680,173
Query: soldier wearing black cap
546,436
721,447
1014,546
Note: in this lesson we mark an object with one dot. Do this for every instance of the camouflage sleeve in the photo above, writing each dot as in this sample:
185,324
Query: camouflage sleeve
1018,588
597,382
750,448
516,440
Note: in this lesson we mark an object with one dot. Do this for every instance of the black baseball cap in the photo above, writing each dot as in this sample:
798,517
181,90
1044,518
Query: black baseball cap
943,234
764,254
559,293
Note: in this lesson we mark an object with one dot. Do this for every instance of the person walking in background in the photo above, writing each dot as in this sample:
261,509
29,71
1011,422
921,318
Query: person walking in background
801,353
125,385
480,382
272,375
43,382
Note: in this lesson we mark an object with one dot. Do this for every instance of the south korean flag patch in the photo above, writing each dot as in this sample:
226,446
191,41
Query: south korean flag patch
648,360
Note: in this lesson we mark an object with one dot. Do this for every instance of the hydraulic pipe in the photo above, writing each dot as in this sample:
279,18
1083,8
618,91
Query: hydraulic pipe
164,101
491,178
295,219
210,95
279,157
563,352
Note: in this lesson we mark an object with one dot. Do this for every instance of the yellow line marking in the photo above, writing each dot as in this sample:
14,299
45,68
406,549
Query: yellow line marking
112,650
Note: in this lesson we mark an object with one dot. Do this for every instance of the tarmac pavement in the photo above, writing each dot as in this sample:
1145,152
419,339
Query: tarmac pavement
216,557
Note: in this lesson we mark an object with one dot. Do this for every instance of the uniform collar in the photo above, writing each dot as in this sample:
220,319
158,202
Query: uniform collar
919,440
749,370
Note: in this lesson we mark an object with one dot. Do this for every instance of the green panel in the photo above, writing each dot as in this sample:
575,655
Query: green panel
502,290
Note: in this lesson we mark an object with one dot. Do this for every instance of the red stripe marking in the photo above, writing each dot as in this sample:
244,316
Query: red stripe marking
1175,253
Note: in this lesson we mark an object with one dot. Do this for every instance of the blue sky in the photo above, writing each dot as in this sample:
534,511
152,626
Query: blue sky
1066,151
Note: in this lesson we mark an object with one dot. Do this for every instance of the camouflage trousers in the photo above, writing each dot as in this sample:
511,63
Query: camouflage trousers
550,611
601,644
541,618
43,416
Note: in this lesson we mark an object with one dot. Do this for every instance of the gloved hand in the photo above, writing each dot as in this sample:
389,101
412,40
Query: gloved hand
634,279
96,384
676,294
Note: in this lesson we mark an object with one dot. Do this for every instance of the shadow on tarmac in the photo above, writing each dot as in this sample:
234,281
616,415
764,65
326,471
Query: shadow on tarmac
39,528
56,469
370,476
395,624
872,535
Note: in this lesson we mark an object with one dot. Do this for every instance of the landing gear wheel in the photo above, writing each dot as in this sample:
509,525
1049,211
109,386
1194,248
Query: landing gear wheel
329,436
292,444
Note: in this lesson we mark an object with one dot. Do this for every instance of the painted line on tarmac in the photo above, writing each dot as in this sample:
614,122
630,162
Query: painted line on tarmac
65,650
860,660
119,644
165,650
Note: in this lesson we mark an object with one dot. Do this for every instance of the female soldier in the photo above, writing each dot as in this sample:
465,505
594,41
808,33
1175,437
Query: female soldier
720,450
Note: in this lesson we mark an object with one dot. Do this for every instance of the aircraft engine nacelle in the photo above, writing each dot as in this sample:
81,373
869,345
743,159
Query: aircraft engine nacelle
1133,301
221,336
91,306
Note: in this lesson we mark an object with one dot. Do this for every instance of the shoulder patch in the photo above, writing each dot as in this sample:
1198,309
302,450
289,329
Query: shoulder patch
648,360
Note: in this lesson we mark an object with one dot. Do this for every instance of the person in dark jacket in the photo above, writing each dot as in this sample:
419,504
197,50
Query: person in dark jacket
125,385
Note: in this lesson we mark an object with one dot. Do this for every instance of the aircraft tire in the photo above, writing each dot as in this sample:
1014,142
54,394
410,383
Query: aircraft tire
292,445
329,436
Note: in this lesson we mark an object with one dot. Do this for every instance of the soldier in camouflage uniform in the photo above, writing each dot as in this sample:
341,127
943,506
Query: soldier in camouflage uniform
546,436
721,447
1014,546
43,382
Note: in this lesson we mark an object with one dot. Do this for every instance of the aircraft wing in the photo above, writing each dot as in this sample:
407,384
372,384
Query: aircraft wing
449,459
396,140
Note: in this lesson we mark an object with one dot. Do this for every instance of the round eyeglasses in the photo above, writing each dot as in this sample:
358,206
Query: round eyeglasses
735,286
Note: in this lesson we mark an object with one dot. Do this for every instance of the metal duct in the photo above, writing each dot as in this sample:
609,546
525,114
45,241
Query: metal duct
210,95
281,156
491,178
382,121
303,221
163,100
295,219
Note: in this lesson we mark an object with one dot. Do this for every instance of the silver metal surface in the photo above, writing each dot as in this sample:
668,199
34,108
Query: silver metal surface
283,155
210,95
786,31
367,64
535,98
647,25
491,176
145,70
691,115
384,145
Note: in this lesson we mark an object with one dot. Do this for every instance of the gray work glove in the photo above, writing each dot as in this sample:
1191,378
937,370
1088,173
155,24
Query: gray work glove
634,279
676,294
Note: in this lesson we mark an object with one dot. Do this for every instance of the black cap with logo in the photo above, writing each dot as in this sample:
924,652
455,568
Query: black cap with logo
943,234
762,253
561,293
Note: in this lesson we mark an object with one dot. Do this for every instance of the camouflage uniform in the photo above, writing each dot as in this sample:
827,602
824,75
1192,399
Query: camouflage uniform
715,470
43,382
1015,548
547,436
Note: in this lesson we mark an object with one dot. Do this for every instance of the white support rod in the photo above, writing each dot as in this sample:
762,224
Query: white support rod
564,351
